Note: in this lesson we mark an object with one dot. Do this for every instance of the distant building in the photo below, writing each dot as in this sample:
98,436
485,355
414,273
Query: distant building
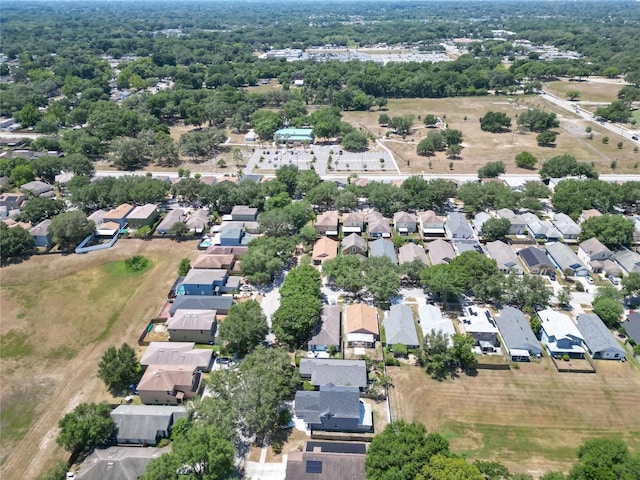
40,234
293,135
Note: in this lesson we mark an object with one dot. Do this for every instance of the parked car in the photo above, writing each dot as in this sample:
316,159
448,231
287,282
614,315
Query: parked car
614,280
634,137
552,277
590,280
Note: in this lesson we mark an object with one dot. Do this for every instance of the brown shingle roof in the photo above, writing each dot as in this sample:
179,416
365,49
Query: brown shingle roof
328,219
118,213
164,378
361,318
325,249
214,261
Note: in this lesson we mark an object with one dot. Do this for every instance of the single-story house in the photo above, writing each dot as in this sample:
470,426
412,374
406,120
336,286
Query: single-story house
198,326
143,215
431,319
118,463
173,217
518,224
97,216
334,460
479,220
293,135
472,245
566,259
400,327
353,244
361,325
327,223
540,229
341,373
592,252
536,261
383,248
328,333
566,226
560,335
405,222
169,384
456,226
231,237
108,229
440,251
632,327
431,225
517,335
36,187
244,213
628,260
479,323
337,409
118,214
41,235
205,260
13,201
237,251
250,136
178,354
324,249
220,303
198,221
410,252
203,281
504,256
353,223
378,225
587,214
145,424
598,339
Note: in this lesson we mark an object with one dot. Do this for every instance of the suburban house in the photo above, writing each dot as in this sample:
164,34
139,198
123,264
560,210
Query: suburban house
244,213
145,424
233,237
540,229
341,373
504,256
518,224
361,325
118,463
108,229
479,220
560,335
198,221
440,251
353,244
628,260
566,259
600,342
431,225
472,245
236,251
405,222
353,223
200,281
324,249
337,409
536,261
97,216
632,327
378,225
334,460
10,204
383,248
594,254
400,327
173,217
38,188
587,214
457,226
169,384
566,226
410,252
215,262
481,326
40,234
220,303
144,215
118,214
328,333
517,335
177,354
198,326
431,319
327,223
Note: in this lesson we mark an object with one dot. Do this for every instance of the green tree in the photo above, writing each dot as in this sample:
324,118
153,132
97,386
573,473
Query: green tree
612,230
526,160
492,470
461,351
566,165
435,354
495,228
244,328
21,174
119,368
37,209
381,278
538,120
88,426
28,116
453,151
401,450
631,284
345,271
495,122
564,297
491,170
57,472
402,124
573,95
546,138
179,229
184,267
605,458
430,120
355,142
442,467
70,228
129,153
608,310
15,243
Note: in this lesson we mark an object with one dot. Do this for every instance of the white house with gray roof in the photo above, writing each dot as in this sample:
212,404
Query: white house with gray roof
540,229
431,319
325,371
400,327
566,226
457,226
566,259
118,463
517,335
600,343
327,334
560,335
518,224
383,248
628,260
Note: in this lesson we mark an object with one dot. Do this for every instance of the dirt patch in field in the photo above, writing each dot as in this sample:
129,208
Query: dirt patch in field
70,316
531,419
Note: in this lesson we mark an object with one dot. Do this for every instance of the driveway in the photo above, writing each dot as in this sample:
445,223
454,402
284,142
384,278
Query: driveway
266,471
418,294
271,300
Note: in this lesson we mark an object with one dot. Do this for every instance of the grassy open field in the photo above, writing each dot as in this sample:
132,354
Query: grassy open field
482,147
59,314
590,91
531,419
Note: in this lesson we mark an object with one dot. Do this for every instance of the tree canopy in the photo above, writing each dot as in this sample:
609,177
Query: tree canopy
70,228
244,328
614,231
88,426
119,368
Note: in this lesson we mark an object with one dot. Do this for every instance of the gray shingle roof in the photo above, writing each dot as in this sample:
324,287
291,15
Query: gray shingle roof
458,226
596,334
516,331
143,422
400,327
202,302
118,463
564,257
342,373
632,326
383,248
329,333
341,402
